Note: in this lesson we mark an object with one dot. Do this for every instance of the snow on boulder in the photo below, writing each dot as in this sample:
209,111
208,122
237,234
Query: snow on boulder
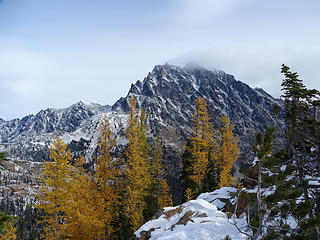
196,219
221,198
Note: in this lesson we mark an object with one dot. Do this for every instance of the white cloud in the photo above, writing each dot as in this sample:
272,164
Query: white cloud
259,65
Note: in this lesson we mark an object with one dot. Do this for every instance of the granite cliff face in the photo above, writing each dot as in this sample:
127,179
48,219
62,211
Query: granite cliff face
168,94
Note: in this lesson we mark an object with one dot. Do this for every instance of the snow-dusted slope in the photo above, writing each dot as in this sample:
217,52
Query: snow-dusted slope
49,120
168,94
196,220
30,138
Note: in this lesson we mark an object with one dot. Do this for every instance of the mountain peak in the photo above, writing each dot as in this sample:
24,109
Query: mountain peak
82,104
166,68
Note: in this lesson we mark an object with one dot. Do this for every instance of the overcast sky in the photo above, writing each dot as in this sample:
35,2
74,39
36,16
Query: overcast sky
55,53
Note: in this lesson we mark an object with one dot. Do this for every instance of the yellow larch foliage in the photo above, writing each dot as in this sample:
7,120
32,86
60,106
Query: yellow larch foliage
94,198
165,199
106,172
9,232
189,194
53,194
81,211
229,151
137,173
202,144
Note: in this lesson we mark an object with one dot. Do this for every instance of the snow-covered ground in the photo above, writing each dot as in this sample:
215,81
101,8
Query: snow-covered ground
196,220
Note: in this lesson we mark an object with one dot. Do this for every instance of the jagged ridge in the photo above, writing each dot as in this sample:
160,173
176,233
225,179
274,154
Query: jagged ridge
168,94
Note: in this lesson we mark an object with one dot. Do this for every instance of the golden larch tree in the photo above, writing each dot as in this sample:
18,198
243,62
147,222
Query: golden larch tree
94,197
229,151
81,210
53,195
137,174
9,231
189,194
202,144
106,173
165,199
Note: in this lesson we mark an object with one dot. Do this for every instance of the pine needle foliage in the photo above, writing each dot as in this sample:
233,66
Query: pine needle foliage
186,170
158,177
157,169
3,156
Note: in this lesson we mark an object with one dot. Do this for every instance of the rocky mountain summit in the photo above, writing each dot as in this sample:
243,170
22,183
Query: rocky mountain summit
168,94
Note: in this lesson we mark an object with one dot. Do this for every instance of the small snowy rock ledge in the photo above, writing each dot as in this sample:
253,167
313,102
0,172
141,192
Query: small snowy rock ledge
196,220
220,197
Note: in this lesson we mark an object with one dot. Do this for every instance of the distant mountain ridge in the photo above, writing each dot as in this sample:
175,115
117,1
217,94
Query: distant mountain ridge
167,93
49,120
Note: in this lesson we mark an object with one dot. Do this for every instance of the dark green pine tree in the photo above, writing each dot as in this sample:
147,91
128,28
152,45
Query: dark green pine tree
262,150
295,193
186,170
286,193
3,156
210,182
27,226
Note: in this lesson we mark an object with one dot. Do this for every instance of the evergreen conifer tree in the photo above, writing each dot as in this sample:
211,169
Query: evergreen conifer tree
28,227
157,170
287,175
302,134
186,171
3,156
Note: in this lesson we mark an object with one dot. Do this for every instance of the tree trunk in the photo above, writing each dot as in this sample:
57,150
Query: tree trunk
55,227
259,204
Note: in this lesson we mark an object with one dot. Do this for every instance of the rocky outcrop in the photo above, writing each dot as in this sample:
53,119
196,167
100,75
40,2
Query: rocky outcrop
196,219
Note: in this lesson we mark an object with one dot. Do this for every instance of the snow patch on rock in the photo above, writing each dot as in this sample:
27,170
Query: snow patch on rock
196,219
